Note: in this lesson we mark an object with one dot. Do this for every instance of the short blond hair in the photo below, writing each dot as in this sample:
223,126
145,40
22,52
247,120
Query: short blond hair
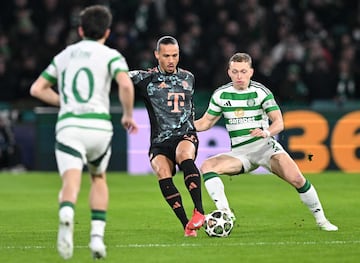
241,57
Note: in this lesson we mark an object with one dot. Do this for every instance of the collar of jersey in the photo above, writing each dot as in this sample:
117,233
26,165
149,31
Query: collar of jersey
165,73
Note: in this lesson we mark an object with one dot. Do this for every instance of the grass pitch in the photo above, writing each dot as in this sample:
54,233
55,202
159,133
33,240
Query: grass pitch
272,223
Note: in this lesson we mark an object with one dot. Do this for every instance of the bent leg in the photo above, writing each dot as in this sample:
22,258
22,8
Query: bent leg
185,157
286,168
163,167
211,169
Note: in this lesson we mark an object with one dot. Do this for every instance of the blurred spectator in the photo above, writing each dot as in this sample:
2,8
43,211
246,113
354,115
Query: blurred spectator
254,20
292,89
281,17
321,81
286,47
220,76
8,81
10,156
27,71
5,49
264,73
53,32
313,27
23,32
147,19
346,87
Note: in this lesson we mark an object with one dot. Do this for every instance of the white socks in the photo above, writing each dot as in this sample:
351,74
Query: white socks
215,189
66,214
97,228
311,200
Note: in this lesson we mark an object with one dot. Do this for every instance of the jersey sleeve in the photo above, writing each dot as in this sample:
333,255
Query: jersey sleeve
117,64
214,107
138,75
269,103
50,73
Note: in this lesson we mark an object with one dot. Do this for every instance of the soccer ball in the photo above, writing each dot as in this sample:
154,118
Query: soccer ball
218,224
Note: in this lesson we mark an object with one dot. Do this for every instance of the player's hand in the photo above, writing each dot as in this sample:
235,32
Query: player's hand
259,133
129,124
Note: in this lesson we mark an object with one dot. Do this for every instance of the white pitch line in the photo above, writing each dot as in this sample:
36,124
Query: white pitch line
238,244
337,242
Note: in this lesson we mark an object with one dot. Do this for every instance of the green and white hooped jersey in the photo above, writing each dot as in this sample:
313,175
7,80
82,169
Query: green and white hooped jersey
83,73
243,110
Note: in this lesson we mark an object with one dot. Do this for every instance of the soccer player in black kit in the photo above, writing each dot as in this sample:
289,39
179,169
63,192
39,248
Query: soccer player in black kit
167,92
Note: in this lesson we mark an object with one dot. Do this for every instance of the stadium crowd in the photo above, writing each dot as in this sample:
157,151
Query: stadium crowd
303,50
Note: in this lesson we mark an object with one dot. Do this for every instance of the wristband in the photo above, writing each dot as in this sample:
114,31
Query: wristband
267,132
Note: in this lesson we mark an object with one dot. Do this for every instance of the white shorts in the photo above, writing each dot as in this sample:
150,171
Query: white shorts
257,153
77,147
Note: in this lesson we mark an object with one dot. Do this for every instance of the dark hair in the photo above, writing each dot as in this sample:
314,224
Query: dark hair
241,57
95,20
165,40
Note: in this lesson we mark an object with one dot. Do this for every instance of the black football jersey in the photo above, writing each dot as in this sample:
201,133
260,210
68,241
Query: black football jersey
169,101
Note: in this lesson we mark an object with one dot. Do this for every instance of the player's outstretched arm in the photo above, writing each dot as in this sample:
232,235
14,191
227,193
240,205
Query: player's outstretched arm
205,122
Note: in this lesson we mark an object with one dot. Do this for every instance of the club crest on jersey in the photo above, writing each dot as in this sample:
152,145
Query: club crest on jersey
239,113
250,102
185,85
162,85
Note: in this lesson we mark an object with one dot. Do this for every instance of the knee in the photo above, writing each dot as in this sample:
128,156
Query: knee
183,156
207,166
98,179
297,180
163,172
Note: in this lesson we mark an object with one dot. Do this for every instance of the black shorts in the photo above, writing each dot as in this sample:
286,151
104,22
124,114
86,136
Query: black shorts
168,147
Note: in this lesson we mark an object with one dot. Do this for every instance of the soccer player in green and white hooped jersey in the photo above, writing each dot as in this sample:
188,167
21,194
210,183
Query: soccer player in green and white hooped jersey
247,107
83,73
